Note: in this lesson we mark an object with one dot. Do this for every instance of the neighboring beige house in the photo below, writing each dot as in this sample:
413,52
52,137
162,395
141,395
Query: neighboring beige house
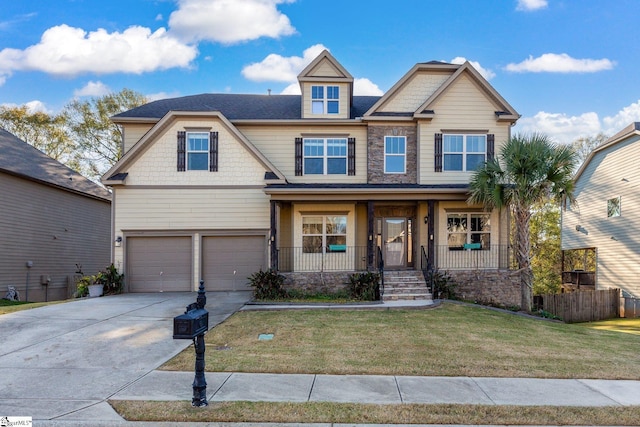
52,218
217,186
607,210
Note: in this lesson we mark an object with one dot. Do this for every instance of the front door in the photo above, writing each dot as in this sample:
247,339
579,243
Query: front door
394,238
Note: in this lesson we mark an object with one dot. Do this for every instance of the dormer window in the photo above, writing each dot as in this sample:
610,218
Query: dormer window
325,99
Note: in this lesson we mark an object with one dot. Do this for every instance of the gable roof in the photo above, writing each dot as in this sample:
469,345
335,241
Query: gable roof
23,160
235,107
505,113
116,175
325,59
630,130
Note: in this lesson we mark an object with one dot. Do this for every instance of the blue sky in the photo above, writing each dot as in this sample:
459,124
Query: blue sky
569,67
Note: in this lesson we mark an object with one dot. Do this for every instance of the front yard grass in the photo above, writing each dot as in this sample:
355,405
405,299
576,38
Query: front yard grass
7,306
348,413
451,340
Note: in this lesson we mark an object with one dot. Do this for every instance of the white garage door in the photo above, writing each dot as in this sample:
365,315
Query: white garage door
159,264
228,261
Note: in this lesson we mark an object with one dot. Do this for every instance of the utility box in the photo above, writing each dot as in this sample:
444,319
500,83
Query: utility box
192,323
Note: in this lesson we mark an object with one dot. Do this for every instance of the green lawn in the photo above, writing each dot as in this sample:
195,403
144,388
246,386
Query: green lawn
451,340
7,306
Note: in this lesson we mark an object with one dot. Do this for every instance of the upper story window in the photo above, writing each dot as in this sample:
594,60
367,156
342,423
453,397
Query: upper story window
395,150
198,151
464,152
613,207
325,99
325,156
468,231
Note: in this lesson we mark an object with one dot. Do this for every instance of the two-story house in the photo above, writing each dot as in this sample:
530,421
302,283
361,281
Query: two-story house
317,185
604,214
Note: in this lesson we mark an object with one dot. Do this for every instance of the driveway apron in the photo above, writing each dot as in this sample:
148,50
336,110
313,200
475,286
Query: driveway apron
65,359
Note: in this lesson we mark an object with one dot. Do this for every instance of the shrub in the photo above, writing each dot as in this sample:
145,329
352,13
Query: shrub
442,284
364,286
112,280
267,285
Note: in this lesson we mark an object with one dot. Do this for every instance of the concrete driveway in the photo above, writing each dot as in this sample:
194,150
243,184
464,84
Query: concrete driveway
65,360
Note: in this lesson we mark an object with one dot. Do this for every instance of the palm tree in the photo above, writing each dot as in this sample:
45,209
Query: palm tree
529,170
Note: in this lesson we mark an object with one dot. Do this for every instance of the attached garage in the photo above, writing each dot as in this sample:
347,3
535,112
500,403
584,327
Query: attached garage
227,261
159,264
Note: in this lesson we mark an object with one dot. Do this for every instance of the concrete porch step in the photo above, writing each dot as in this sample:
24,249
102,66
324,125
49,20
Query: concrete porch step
405,286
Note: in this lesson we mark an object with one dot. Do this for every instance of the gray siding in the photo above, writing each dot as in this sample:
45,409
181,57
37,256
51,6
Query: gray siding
612,172
53,228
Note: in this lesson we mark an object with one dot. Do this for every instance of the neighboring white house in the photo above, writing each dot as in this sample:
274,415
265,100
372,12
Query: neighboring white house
217,186
606,215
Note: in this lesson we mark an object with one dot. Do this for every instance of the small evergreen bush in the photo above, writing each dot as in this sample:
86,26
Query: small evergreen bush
364,286
267,285
443,285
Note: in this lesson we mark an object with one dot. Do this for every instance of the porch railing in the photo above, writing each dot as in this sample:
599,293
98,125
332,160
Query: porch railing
424,266
493,257
380,265
332,258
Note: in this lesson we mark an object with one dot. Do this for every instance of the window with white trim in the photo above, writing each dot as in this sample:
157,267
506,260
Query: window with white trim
614,207
325,99
198,151
324,233
325,156
468,231
464,152
395,151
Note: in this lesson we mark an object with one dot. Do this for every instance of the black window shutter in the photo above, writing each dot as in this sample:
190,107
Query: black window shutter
438,152
182,137
213,151
351,156
298,156
491,146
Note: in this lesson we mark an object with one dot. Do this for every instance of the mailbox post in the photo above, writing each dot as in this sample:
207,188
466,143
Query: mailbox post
193,324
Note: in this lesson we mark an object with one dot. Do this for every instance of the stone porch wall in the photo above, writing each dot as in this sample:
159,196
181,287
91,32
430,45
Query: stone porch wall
501,287
326,282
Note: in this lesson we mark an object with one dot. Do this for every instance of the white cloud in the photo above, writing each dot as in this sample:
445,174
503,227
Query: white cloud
159,17
69,51
229,21
277,68
560,63
92,89
529,5
561,127
484,72
566,129
292,89
34,106
366,87
622,119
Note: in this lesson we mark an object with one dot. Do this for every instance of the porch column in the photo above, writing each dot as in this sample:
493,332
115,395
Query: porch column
272,235
370,235
431,245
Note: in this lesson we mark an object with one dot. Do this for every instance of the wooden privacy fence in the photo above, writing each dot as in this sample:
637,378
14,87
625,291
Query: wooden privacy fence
583,306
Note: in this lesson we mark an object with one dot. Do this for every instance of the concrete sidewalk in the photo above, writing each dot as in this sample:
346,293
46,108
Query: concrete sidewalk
224,387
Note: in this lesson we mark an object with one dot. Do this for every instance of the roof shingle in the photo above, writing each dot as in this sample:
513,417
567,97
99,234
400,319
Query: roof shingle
21,159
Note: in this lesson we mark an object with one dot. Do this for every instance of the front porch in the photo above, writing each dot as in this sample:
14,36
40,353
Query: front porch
318,244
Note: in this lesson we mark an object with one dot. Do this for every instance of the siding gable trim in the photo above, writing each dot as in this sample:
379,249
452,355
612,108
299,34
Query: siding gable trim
169,119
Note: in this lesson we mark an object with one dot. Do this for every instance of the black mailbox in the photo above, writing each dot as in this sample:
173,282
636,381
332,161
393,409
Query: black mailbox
192,323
